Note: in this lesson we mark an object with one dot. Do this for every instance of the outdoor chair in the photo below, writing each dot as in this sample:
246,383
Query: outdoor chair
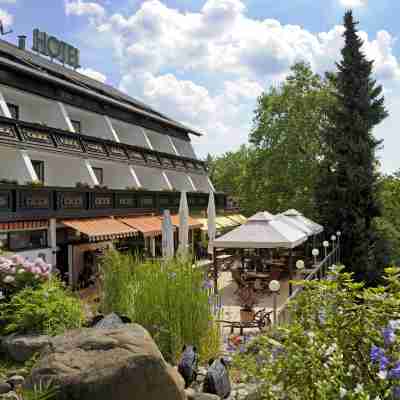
261,320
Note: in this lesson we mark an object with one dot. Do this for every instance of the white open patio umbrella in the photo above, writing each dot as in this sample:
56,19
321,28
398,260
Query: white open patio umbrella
167,232
183,224
211,224
262,231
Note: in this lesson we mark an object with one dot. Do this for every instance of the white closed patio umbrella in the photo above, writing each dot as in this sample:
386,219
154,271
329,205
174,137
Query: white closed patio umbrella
183,224
211,224
167,231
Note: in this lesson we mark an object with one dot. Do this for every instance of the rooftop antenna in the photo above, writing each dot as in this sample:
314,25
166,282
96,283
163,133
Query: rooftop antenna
2,29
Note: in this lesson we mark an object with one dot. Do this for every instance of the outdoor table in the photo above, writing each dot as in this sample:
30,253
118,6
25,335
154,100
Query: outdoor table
256,275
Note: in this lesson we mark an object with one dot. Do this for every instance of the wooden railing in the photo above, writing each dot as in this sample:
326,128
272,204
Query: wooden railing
317,273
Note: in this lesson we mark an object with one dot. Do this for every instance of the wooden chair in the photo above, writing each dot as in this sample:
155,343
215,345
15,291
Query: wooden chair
261,319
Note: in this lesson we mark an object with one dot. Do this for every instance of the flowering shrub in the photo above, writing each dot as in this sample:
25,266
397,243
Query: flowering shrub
16,273
343,342
48,308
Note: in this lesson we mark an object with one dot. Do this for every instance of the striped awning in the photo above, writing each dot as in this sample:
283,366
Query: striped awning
147,225
239,218
204,222
226,222
193,222
23,225
100,229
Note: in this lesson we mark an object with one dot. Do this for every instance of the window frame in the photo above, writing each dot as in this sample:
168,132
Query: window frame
101,170
40,173
45,245
77,123
15,107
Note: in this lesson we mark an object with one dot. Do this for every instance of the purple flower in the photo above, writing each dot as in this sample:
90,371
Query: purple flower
388,336
376,353
383,363
396,392
395,372
207,284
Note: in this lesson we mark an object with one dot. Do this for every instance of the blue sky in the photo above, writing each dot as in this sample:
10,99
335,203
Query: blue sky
204,62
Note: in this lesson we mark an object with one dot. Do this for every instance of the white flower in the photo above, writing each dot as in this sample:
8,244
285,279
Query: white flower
382,374
378,398
351,367
394,324
342,392
331,349
359,388
8,279
21,271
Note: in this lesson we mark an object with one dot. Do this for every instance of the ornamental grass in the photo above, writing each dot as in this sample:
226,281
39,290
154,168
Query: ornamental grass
170,299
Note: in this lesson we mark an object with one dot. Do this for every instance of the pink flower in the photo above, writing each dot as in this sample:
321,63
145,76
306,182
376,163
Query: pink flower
17,259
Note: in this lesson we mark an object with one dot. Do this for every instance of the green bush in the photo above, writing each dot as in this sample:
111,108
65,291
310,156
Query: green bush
343,342
48,309
170,299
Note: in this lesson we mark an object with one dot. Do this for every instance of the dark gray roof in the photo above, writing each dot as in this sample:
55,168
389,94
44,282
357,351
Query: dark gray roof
40,63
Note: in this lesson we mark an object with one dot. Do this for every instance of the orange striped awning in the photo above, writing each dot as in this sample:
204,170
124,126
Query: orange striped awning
193,222
147,225
23,225
99,229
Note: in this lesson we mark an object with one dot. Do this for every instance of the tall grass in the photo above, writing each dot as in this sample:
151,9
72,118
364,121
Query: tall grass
169,299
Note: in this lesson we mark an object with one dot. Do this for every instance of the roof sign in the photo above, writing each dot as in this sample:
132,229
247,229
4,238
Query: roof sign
55,49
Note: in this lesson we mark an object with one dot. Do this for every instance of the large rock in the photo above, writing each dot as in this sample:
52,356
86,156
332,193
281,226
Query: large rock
119,364
22,347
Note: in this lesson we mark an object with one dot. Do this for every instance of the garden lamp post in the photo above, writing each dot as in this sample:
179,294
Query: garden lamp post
333,238
274,287
325,243
300,265
338,234
315,254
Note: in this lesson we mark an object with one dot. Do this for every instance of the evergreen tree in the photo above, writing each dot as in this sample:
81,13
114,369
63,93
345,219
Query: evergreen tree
347,191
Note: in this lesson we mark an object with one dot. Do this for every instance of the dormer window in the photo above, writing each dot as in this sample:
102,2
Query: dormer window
76,125
14,110
99,175
38,166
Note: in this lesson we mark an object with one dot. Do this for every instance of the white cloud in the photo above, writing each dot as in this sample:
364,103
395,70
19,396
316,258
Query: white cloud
8,1
207,68
353,3
6,18
91,73
79,8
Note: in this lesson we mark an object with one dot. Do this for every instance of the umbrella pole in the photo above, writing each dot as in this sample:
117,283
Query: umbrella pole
290,271
215,270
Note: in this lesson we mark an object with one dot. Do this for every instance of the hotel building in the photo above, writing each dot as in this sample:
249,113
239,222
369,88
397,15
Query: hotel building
83,166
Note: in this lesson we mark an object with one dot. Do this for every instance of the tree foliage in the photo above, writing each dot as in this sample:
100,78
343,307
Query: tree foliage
347,190
278,169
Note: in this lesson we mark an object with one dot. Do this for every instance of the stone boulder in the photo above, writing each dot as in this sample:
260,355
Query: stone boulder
21,348
121,364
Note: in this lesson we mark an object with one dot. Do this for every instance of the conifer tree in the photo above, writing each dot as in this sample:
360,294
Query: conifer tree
347,189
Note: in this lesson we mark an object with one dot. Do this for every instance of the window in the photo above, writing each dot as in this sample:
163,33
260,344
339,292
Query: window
14,110
99,174
27,240
77,126
38,166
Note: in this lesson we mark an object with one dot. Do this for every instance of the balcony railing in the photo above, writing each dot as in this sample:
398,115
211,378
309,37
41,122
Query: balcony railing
38,136
18,202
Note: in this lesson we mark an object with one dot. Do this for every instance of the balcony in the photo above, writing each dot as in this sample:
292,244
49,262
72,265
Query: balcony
57,146
18,202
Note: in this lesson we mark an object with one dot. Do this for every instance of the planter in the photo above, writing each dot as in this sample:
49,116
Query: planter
246,315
